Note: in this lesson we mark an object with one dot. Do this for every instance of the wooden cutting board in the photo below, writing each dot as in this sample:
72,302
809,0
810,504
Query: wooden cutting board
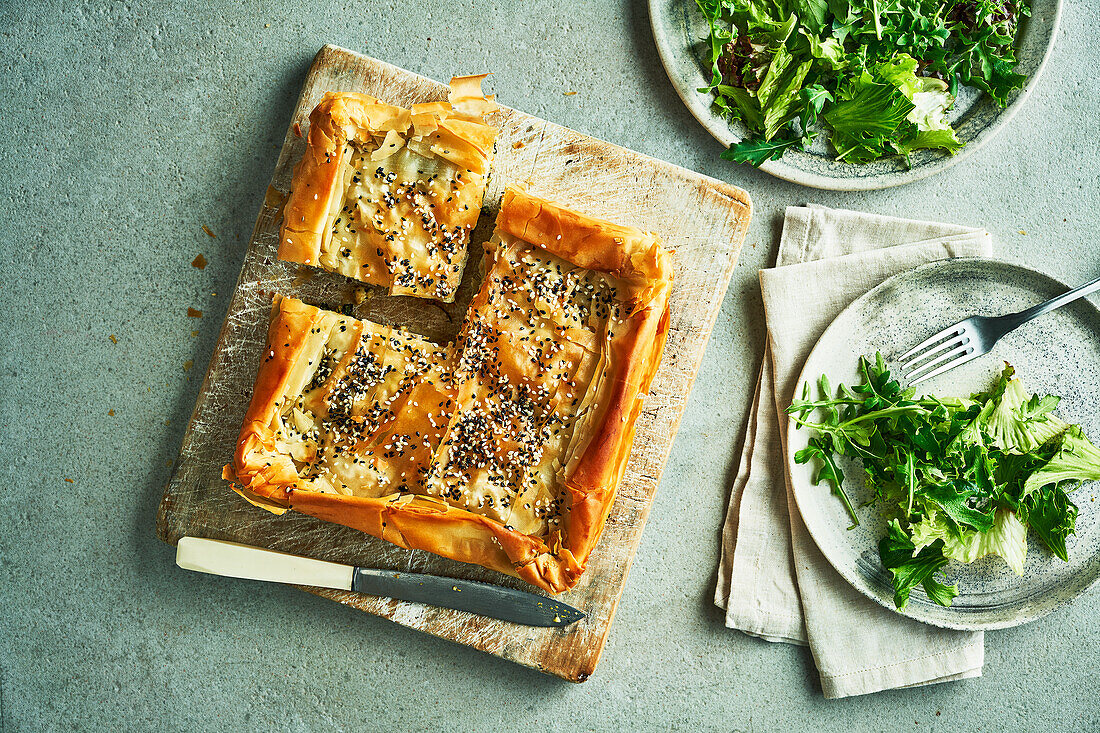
703,220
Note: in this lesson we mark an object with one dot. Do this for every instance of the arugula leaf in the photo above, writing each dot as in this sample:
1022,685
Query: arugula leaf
957,500
924,438
938,592
814,99
757,152
909,472
911,568
832,414
881,389
812,13
827,471
720,35
1038,407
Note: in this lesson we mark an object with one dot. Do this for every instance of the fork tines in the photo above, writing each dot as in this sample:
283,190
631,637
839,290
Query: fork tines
954,342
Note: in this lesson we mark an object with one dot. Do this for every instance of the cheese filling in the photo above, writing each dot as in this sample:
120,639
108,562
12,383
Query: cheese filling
405,218
490,425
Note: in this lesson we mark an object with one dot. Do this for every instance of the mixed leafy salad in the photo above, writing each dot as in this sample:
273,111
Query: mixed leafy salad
959,478
879,75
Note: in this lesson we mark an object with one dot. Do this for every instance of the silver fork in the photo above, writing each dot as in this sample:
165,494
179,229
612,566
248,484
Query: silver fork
969,339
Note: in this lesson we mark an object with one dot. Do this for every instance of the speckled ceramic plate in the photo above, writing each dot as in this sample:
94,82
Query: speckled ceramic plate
1056,354
681,32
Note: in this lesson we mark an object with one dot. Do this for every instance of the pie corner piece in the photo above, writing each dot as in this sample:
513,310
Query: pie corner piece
389,195
504,449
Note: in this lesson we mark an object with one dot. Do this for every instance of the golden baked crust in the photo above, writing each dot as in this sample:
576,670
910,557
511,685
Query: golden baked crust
389,195
504,449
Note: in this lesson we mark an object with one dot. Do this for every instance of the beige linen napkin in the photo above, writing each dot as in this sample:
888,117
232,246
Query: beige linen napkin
772,580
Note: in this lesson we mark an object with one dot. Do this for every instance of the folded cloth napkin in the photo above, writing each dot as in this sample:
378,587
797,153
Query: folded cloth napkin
773,581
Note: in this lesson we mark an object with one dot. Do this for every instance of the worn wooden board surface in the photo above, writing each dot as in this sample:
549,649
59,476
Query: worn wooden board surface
703,220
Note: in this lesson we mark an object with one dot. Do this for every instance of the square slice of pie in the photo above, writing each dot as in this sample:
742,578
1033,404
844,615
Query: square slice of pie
389,195
504,449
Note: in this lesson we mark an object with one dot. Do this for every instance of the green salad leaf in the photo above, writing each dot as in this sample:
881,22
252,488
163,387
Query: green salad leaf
878,76
1005,537
1052,516
959,479
827,471
869,115
912,567
1017,422
757,151
1077,460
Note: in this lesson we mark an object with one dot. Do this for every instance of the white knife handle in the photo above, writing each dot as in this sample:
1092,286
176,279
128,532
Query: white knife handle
255,563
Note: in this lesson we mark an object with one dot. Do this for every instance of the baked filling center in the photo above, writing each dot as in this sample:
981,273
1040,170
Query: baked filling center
394,222
388,195
504,448
483,425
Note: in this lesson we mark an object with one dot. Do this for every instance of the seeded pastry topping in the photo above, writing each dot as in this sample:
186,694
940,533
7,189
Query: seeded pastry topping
389,195
504,448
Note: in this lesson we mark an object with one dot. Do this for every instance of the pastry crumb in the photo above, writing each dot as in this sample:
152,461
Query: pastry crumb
518,144
199,262
111,413
69,480
114,339
188,364
569,94
194,334
358,295
211,234
1022,232
194,313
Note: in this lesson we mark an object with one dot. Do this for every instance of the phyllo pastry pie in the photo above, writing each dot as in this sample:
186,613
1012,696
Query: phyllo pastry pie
504,449
389,195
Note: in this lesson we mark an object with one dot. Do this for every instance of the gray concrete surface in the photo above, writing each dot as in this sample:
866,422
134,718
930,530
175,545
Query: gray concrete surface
129,126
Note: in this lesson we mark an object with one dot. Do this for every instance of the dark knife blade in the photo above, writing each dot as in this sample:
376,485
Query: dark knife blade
507,604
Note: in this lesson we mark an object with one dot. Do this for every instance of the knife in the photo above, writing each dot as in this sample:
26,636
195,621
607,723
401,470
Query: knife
255,563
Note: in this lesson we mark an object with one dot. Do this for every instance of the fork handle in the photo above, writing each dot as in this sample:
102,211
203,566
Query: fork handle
1015,320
